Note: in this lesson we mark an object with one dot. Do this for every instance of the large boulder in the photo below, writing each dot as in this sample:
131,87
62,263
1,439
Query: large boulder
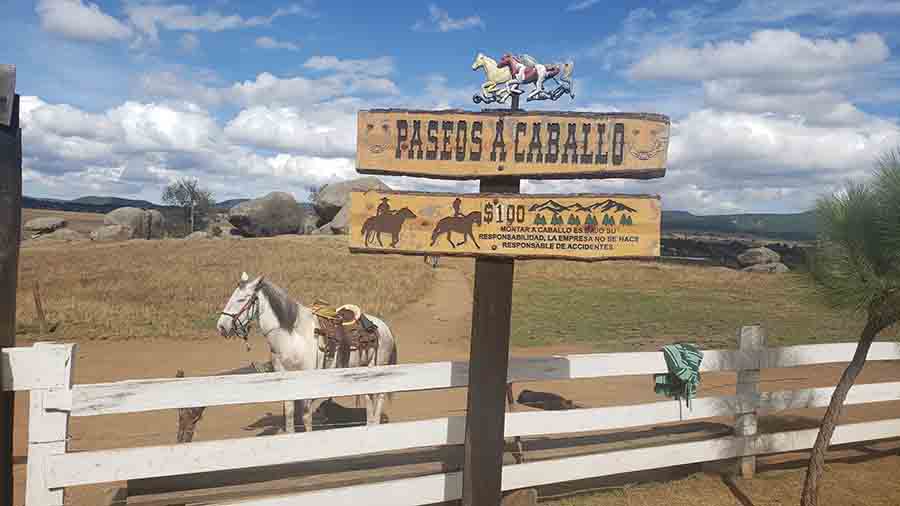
275,214
771,268
144,224
200,234
44,225
339,225
63,234
754,256
333,197
112,233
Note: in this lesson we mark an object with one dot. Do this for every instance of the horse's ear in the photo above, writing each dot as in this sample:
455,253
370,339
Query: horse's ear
244,277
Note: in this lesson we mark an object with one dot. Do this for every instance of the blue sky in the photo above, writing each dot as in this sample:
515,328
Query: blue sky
773,103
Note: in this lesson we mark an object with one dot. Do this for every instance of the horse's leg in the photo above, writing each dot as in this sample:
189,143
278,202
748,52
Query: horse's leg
305,408
450,240
379,239
377,409
473,239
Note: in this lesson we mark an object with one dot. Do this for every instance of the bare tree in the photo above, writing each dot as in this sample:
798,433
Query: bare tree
187,193
857,265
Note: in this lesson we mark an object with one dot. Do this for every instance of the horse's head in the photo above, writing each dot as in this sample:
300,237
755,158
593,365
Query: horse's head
406,213
476,217
506,61
236,315
479,61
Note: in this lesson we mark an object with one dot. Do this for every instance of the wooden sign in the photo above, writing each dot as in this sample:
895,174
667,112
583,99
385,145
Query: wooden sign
7,93
456,144
578,227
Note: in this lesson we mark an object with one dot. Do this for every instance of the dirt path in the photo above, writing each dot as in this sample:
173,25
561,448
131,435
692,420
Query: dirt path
435,328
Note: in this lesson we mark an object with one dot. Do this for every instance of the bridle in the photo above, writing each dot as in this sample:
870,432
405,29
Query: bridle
251,307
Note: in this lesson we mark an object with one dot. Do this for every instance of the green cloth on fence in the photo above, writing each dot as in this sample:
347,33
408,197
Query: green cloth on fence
683,378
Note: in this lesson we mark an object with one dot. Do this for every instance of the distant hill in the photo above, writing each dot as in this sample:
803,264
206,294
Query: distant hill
228,204
92,200
792,227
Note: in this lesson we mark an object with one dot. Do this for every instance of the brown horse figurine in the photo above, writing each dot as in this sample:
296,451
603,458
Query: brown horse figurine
388,223
460,224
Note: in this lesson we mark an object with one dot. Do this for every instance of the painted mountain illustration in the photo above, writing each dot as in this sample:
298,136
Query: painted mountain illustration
608,205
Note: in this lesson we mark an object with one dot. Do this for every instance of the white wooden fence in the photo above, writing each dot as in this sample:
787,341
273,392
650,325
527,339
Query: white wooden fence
46,371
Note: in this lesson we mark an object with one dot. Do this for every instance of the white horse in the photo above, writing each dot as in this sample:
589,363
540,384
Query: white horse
495,77
289,327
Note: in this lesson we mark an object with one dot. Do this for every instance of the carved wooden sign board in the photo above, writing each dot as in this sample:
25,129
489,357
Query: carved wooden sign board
578,227
457,144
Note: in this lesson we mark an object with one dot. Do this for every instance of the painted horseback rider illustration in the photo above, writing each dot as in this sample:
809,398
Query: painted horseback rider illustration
456,205
383,208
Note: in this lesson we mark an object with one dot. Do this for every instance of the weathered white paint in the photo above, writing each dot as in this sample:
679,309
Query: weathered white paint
29,368
809,354
170,393
752,340
47,436
156,461
447,487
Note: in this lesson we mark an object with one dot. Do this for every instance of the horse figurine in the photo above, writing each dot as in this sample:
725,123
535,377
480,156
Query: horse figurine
460,224
289,328
525,70
495,76
389,223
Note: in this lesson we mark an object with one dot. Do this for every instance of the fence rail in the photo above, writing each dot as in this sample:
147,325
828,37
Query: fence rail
45,370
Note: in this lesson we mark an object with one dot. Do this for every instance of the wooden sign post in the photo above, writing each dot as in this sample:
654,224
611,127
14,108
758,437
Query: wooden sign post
498,225
10,230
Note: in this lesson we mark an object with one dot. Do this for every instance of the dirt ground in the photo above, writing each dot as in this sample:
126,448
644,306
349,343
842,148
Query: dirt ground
436,328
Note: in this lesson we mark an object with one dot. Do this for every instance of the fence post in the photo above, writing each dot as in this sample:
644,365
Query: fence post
48,430
752,347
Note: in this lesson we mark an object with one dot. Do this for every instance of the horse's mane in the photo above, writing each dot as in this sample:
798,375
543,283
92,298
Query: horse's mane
282,305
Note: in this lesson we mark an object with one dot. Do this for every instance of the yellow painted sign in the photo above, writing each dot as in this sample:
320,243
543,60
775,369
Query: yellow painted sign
584,227
457,144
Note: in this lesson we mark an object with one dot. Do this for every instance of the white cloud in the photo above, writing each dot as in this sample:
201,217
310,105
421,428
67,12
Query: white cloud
321,131
270,43
767,52
774,10
78,20
581,5
268,89
440,20
189,43
150,18
137,147
382,66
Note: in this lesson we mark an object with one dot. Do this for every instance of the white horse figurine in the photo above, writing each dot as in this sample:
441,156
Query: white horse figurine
495,76
289,327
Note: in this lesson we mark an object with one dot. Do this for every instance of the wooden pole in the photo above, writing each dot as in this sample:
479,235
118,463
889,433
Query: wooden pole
10,235
488,363
39,307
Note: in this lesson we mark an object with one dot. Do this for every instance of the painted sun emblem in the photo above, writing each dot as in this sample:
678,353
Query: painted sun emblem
659,144
379,138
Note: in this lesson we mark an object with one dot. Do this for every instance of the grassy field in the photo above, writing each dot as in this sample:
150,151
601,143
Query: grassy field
175,288
628,305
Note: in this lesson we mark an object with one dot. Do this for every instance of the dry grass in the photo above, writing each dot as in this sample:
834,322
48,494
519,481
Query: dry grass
632,305
854,482
79,222
174,288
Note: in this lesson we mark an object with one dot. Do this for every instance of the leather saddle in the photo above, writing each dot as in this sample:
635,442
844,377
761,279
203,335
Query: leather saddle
343,330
